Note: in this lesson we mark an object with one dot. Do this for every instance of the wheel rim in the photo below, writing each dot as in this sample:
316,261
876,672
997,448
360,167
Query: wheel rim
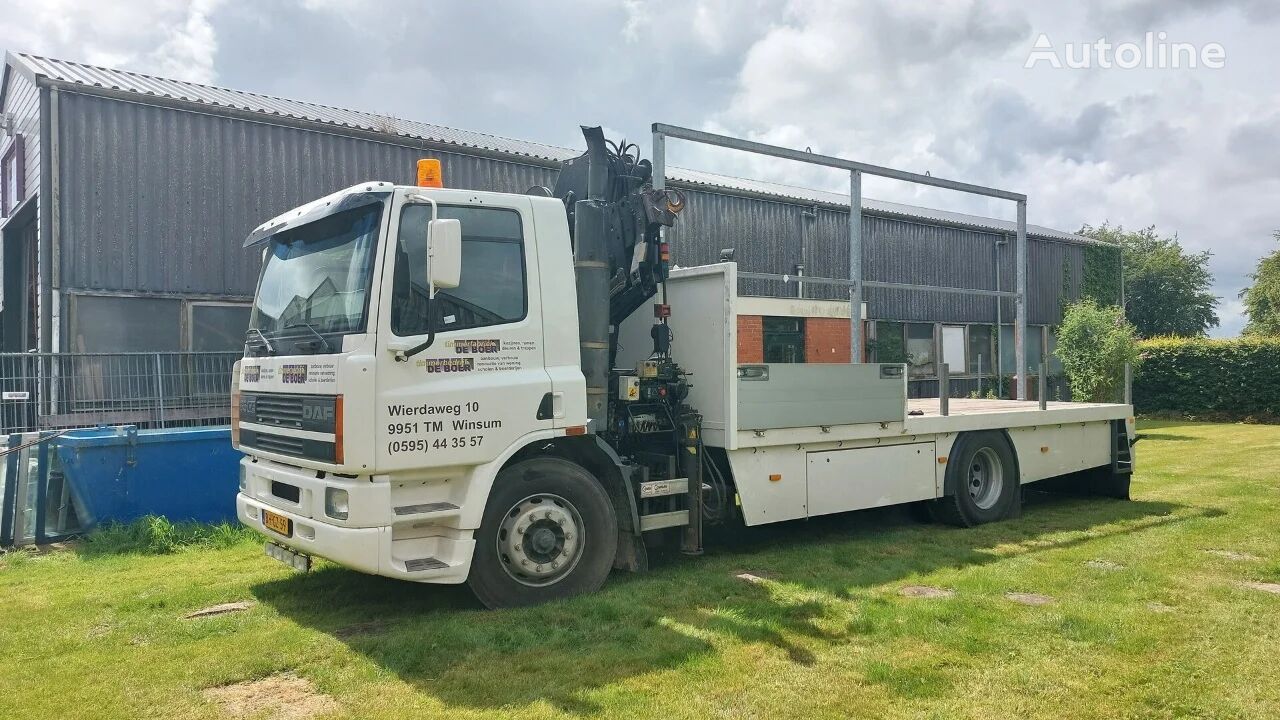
540,539
986,478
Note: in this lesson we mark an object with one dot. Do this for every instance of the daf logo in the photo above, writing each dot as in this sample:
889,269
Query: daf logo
317,412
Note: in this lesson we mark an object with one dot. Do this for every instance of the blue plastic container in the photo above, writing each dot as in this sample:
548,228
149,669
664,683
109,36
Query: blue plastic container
120,474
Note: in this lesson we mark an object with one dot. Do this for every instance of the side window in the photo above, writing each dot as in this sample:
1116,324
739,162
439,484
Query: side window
920,350
491,290
783,340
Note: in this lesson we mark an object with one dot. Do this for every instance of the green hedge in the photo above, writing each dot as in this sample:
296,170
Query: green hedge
1236,379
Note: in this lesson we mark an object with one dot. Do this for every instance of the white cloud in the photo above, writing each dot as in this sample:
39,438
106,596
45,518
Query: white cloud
167,37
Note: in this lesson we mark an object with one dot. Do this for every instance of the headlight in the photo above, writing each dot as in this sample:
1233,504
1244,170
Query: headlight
244,479
335,503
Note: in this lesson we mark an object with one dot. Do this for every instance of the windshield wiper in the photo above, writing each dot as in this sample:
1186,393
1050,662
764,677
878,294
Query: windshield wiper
271,350
303,323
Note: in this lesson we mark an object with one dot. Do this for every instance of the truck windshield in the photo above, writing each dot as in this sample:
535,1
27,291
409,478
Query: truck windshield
316,276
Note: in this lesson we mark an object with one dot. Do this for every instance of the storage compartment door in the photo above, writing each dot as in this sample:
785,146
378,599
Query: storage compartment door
841,480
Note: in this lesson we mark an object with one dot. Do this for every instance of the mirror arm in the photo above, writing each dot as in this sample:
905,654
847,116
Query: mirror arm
404,355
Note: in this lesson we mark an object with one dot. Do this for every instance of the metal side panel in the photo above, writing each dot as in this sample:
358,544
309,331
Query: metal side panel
841,480
705,330
1047,451
806,395
770,483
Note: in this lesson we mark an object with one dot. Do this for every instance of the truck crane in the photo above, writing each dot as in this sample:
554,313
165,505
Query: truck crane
445,385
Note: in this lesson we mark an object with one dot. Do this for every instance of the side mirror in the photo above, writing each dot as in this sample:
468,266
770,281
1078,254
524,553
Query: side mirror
444,254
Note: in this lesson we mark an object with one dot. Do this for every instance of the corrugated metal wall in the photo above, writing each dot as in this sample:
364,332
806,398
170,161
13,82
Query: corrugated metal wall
155,200
774,237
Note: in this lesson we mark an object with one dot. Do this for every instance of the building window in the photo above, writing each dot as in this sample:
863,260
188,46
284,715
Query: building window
920,349
953,348
12,176
783,340
888,346
122,324
491,290
1035,349
217,327
1055,362
981,361
109,324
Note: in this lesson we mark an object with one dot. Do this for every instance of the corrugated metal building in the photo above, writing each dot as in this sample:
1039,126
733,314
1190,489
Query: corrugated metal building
127,198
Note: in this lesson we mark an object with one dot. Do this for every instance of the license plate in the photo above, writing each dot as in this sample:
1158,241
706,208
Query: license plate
277,523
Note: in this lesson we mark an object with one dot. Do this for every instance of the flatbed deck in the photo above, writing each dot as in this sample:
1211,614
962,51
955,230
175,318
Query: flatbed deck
965,414
928,407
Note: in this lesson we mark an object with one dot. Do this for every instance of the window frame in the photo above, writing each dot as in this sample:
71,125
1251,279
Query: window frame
74,298
189,320
1035,336
934,348
16,156
796,337
989,368
964,347
521,243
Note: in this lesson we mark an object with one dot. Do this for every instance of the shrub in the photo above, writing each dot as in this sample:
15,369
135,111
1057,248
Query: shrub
1232,379
1094,344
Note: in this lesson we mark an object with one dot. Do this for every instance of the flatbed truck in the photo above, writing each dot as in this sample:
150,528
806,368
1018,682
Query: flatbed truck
448,386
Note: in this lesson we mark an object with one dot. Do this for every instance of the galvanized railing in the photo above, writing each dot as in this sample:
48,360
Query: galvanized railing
53,391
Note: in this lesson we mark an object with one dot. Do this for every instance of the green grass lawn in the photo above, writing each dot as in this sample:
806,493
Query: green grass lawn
1144,619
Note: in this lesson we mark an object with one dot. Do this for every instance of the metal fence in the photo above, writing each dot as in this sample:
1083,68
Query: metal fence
53,391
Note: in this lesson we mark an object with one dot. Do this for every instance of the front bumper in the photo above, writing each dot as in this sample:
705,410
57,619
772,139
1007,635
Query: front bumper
418,551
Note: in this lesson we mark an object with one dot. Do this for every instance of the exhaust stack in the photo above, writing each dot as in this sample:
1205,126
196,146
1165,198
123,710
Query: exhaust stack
592,271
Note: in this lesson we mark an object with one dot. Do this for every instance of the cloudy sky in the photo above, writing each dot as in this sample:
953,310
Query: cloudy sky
929,86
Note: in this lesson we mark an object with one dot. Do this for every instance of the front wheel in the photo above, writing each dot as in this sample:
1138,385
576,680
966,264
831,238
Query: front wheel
548,532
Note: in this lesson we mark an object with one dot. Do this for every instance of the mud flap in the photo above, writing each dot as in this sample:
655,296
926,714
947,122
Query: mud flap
632,554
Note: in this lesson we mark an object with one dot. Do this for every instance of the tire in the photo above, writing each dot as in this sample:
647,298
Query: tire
982,483
548,532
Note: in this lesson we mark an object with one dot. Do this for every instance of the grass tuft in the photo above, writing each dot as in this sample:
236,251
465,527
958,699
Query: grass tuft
155,535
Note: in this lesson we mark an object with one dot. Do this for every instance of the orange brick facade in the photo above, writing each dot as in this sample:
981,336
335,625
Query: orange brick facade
826,340
750,339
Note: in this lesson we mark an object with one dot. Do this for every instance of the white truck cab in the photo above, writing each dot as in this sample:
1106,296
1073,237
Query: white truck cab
382,462
454,386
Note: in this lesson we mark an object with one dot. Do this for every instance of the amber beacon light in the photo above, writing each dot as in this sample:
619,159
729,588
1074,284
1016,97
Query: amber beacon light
429,173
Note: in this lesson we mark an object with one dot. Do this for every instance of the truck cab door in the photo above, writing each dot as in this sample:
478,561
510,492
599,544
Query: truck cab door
479,386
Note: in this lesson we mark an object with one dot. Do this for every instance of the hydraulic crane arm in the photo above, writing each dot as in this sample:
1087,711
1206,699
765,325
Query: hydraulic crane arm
634,212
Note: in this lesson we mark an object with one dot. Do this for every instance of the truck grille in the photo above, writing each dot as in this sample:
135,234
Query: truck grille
317,413
322,450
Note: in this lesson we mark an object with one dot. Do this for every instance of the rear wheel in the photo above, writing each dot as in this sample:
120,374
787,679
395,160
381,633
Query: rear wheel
548,532
982,482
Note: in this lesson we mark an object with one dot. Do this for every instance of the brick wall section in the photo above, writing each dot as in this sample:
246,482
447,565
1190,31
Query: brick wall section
826,340
750,339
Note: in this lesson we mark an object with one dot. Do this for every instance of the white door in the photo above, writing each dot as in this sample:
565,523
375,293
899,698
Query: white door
478,387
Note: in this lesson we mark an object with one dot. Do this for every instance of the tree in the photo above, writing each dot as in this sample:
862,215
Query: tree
1094,343
1166,289
1262,298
